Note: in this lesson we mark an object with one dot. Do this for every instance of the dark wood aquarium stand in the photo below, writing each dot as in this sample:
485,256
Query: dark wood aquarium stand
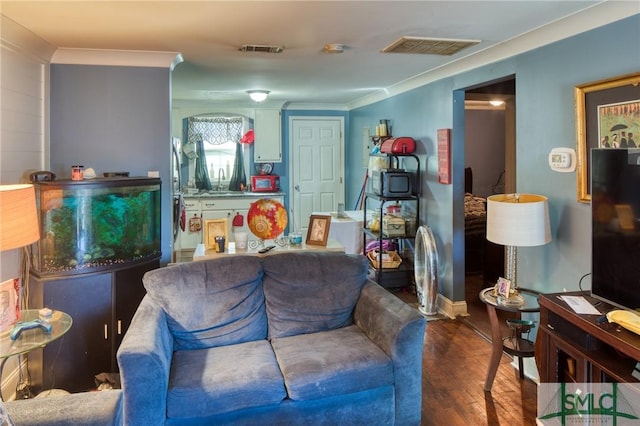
101,306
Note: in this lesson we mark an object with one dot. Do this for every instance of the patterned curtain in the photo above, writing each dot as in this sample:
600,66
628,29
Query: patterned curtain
214,130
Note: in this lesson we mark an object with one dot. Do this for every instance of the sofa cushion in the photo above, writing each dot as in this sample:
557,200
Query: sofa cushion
310,292
329,363
211,302
211,381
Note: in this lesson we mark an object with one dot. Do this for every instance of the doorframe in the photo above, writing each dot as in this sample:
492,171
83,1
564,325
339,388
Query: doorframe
290,153
459,95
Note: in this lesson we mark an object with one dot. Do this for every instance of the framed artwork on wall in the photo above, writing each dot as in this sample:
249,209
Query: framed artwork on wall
606,112
444,156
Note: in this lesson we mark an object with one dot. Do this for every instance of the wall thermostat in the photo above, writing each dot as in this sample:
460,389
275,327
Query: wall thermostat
562,160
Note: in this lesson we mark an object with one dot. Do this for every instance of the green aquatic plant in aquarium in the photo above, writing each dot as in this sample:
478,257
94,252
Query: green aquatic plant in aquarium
106,223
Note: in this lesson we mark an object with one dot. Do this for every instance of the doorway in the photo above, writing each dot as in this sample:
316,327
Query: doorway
316,167
490,168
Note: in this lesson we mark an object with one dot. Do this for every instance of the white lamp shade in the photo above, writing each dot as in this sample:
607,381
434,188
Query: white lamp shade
18,216
519,220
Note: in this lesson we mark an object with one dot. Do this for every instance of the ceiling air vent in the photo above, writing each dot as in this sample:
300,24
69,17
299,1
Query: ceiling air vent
428,46
261,48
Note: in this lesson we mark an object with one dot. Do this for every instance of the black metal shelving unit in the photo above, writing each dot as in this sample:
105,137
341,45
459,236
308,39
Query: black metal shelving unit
401,276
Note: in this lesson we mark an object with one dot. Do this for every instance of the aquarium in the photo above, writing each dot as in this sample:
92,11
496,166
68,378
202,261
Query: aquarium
97,224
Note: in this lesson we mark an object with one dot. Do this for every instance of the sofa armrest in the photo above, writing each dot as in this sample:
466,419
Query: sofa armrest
144,358
399,331
85,408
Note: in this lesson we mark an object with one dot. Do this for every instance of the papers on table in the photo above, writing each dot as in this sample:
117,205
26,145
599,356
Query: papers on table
580,305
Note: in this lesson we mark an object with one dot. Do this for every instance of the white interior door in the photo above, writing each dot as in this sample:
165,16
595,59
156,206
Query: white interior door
316,167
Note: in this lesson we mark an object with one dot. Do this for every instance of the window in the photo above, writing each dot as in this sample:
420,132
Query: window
220,134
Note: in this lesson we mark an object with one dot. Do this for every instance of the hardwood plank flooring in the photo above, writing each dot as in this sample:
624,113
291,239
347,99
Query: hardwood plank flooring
455,361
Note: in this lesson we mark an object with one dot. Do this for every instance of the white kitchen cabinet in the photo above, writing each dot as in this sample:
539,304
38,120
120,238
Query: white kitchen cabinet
268,141
190,239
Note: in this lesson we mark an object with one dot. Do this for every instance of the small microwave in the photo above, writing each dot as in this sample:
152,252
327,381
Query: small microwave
265,183
392,183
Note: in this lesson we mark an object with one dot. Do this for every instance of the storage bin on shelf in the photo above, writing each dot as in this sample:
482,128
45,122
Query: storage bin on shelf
390,259
393,226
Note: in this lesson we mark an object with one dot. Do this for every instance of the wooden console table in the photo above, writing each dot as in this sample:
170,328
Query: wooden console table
332,245
583,348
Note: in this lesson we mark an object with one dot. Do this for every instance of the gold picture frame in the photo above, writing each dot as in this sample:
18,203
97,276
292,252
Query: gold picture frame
318,230
589,99
214,228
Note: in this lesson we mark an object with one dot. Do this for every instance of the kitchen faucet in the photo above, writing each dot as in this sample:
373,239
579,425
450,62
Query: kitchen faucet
220,175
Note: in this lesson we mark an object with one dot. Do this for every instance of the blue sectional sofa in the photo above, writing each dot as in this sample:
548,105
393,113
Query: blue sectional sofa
286,339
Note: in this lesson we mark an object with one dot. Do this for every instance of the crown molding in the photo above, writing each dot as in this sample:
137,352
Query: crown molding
125,58
16,38
314,107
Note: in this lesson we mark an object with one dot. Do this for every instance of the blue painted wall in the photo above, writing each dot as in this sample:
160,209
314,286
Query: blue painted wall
114,119
545,118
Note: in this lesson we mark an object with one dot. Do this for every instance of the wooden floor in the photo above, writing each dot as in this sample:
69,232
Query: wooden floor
455,361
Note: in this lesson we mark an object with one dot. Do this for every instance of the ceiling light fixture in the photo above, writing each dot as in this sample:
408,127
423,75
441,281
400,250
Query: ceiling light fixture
496,102
333,48
258,95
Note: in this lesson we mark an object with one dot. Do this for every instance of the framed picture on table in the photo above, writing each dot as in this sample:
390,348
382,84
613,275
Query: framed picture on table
9,304
503,286
215,228
318,231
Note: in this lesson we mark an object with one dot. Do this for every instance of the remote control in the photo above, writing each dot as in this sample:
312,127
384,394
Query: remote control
27,325
266,249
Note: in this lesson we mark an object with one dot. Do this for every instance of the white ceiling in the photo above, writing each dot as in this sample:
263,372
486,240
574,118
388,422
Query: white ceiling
208,34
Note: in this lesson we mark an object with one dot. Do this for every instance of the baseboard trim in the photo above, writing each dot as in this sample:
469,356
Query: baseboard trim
452,309
10,381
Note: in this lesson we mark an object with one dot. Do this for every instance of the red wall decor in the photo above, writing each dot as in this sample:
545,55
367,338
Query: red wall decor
444,156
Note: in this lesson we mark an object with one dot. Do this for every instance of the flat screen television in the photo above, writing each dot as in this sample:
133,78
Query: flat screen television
615,217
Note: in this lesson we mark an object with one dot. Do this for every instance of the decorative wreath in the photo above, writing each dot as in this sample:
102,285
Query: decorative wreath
267,218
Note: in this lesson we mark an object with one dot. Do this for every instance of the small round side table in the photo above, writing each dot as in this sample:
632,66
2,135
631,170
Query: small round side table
519,347
34,338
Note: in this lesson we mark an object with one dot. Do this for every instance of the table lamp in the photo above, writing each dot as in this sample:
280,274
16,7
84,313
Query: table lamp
517,220
18,217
